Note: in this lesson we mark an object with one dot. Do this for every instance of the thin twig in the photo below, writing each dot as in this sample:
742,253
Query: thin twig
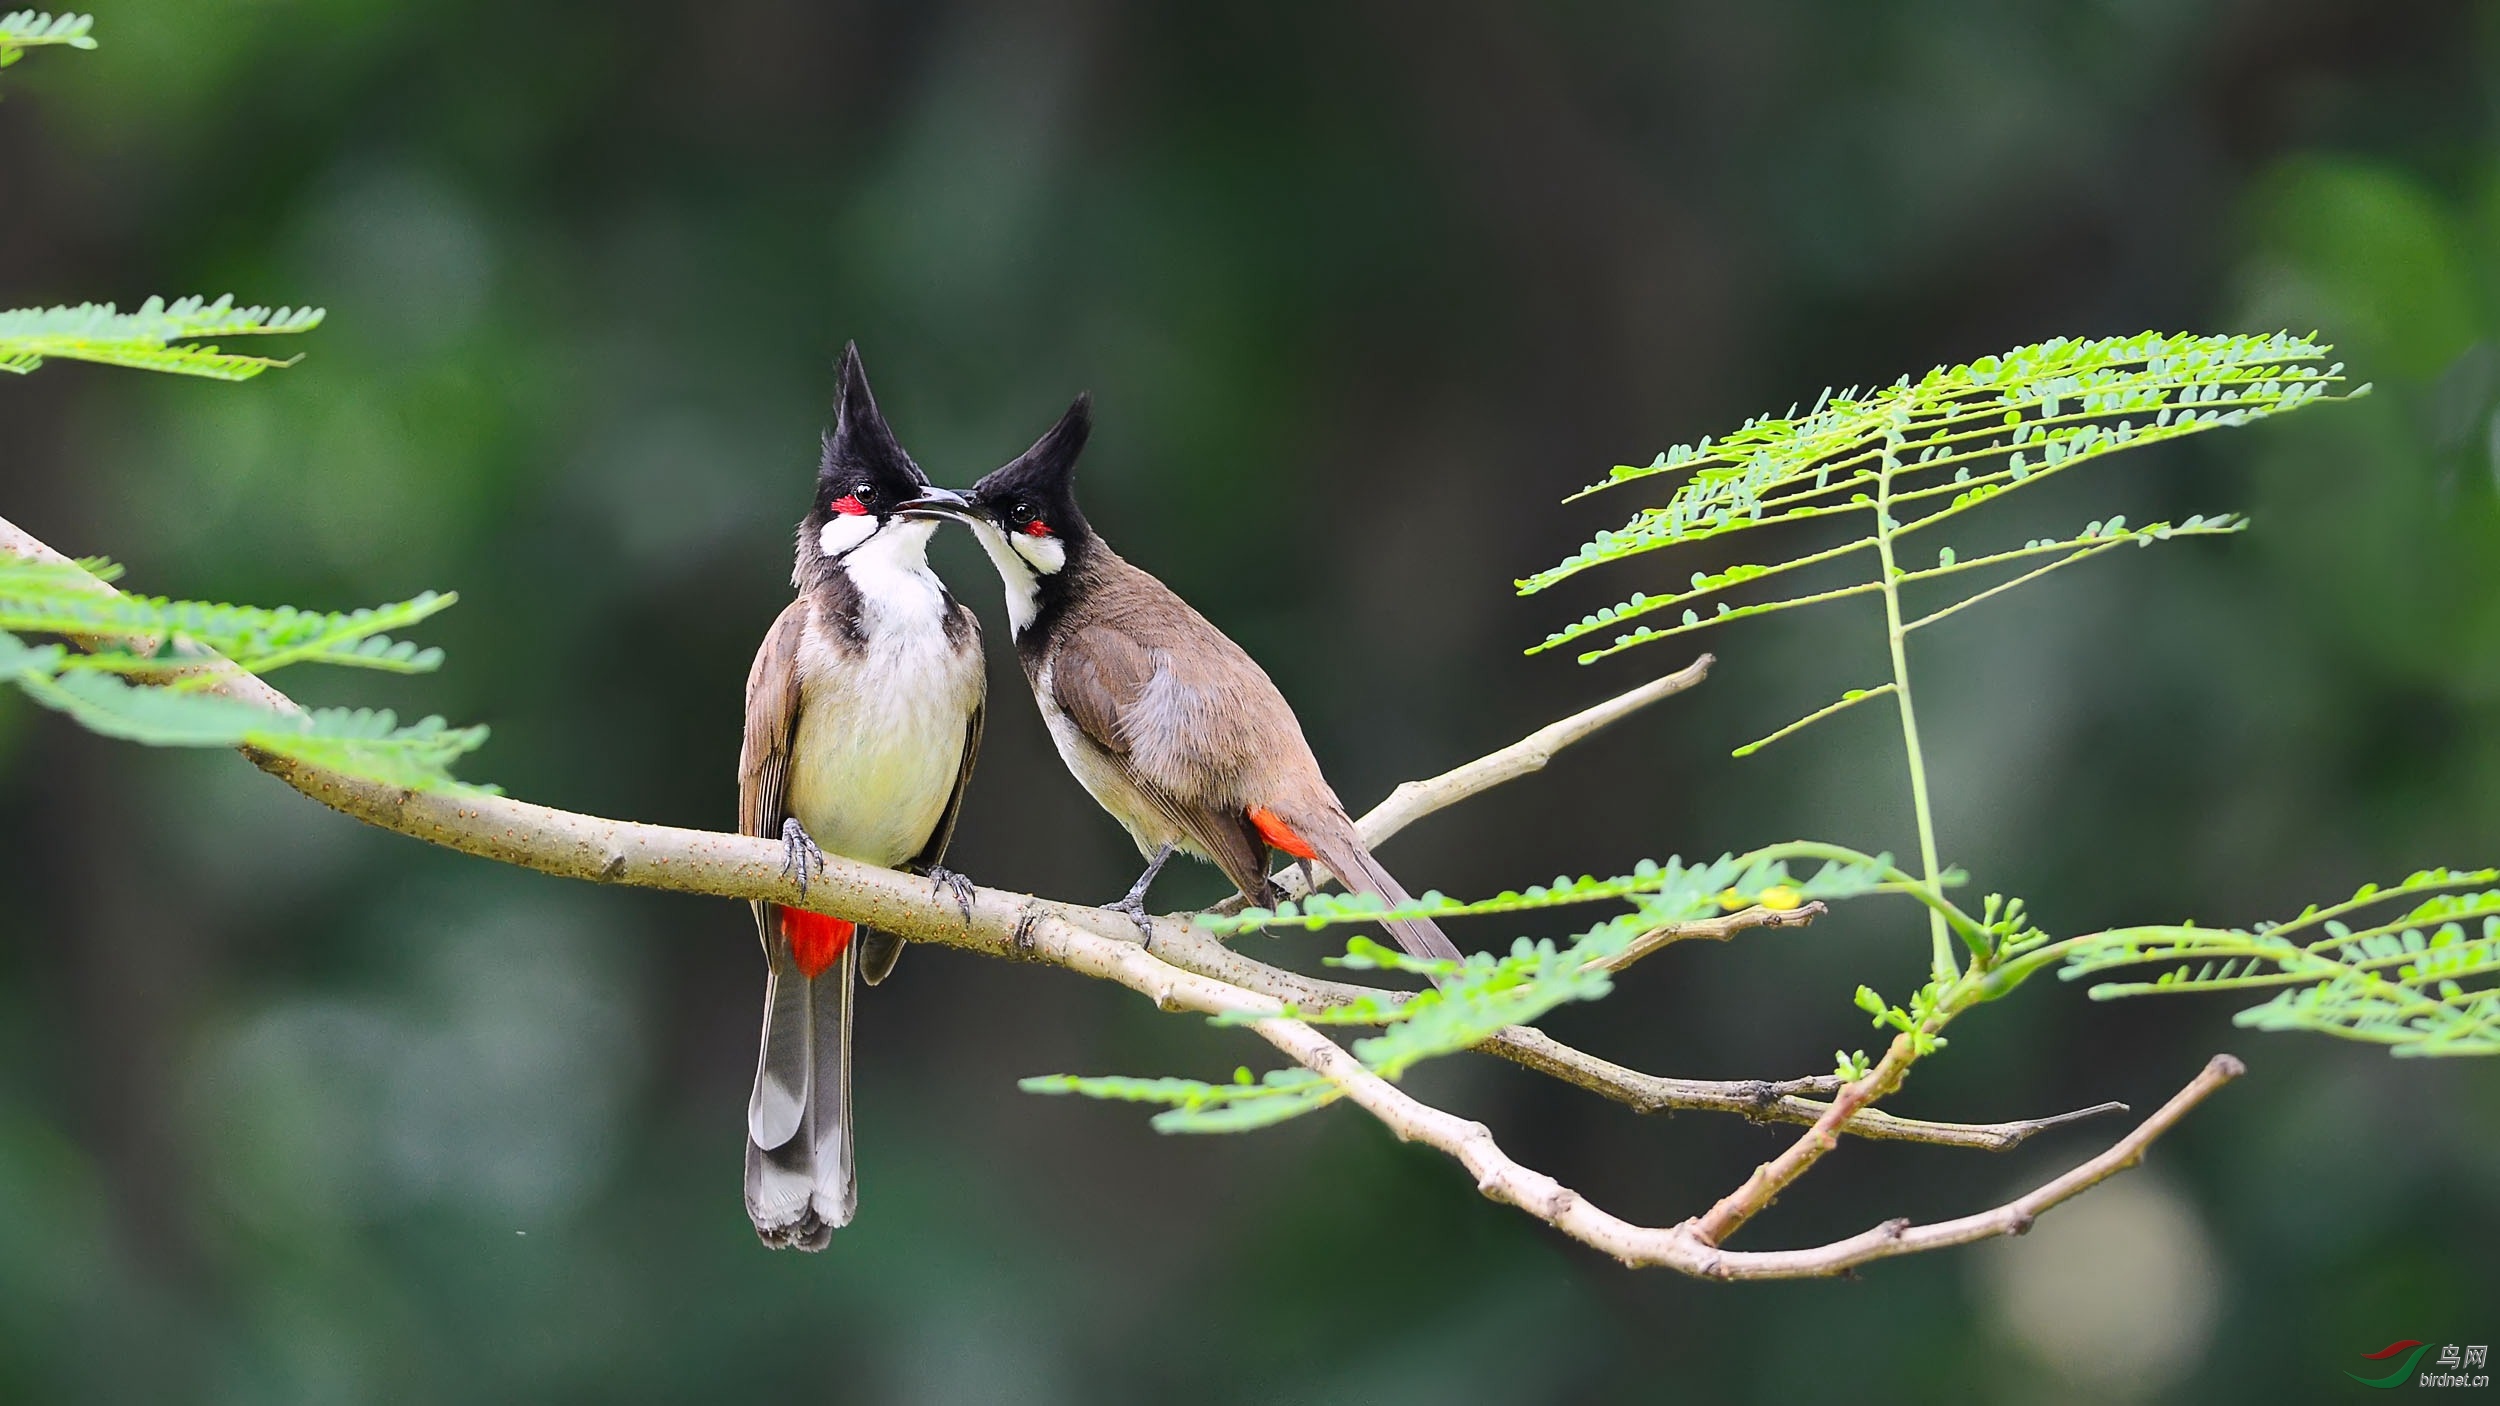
1413,800
1762,1100
1682,1247
1774,1176
1711,930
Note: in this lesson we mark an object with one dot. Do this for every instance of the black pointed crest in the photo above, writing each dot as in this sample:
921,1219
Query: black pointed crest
860,440
1048,469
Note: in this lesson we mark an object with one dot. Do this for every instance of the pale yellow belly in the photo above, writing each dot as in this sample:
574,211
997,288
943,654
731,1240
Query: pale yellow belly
878,749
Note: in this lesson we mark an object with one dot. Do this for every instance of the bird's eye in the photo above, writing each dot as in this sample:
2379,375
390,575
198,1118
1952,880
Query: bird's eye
866,493
1021,513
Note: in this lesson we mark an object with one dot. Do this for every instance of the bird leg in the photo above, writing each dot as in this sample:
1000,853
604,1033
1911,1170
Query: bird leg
798,852
947,880
1133,903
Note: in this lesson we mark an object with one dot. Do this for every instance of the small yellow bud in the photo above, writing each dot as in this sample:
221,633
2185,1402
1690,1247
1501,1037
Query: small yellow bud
1780,898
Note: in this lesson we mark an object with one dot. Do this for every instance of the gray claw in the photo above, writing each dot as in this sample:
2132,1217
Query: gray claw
941,877
799,851
1133,908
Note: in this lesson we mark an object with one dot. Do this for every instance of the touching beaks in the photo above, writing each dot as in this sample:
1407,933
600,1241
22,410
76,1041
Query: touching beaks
934,502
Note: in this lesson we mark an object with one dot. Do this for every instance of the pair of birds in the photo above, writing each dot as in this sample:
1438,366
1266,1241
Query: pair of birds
863,715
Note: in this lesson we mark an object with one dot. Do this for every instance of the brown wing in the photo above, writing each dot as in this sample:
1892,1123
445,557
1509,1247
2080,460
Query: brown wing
1097,675
772,725
1105,680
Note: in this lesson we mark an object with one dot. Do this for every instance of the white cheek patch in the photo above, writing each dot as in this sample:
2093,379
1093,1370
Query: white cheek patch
844,531
1023,587
1047,554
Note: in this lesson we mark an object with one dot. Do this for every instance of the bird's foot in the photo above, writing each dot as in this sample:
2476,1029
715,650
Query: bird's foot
1133,903
799,853
1133,907
943,879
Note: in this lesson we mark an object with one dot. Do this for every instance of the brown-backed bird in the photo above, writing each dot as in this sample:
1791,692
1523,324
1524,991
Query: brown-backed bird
1168,723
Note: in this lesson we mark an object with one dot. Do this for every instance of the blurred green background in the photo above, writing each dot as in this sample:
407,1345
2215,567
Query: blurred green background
292,1110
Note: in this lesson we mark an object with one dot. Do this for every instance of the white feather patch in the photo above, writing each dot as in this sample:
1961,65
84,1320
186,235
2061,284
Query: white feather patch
844,531
1016,572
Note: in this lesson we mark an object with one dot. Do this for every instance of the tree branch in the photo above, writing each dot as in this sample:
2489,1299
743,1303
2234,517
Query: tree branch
1774,1176
1682,1247
1413,800
1021,926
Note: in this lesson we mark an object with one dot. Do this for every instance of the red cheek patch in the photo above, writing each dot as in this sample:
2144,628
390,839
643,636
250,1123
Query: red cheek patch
817,941
849,506
1037,528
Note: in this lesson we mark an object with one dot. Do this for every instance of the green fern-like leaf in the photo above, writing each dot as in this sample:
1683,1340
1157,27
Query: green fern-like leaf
358,742
1669,892
21,30
1927,450
159,336
148,635
1196,1107
2423,979
137,673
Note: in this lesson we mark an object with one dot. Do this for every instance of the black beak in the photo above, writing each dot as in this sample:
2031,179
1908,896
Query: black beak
934,502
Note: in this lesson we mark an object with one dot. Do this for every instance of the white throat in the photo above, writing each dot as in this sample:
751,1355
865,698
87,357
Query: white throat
889,565
1022,561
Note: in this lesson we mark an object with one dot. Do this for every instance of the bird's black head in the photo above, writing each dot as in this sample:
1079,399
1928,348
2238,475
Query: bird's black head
867,485
1030,501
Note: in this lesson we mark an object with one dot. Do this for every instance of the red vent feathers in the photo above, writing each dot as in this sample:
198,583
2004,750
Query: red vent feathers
816,940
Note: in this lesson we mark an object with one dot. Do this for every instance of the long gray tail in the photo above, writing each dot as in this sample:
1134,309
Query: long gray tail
1333,838
800,1183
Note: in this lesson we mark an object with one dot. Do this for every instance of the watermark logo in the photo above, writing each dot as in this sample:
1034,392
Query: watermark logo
2457,1365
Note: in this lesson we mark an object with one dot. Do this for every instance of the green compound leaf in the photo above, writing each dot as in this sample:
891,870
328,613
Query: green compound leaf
138,676
148,632
2419,978
1932,449
21,30
1662,891
1197,1107
159,336
360,742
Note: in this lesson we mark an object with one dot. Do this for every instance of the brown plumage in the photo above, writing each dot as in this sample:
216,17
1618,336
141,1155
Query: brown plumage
1170,725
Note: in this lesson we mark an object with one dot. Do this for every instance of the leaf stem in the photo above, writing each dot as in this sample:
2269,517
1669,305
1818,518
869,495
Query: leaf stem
2081,554
1853,698
1889,580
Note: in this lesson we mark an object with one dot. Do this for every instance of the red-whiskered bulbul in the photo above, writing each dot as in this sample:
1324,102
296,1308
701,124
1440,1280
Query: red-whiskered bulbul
1168,723
863,715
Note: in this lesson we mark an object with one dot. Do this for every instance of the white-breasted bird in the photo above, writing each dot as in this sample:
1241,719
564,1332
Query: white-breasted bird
863,716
